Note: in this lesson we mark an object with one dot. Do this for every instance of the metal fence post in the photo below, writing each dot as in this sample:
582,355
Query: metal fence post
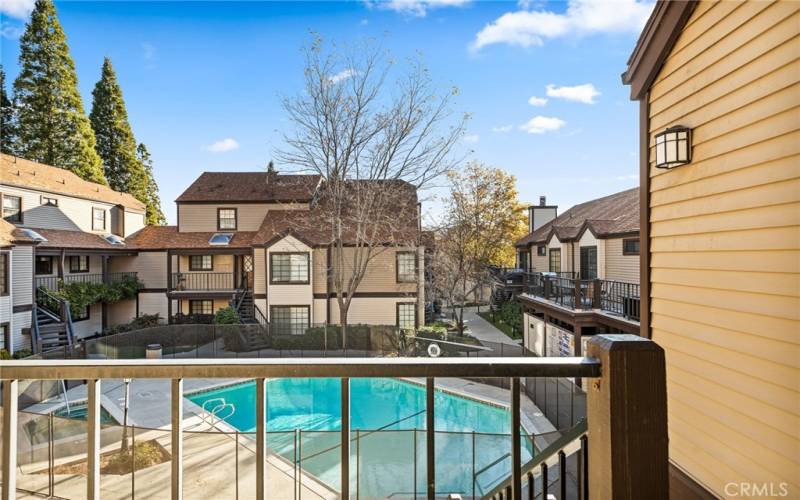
431,438
177,439
516,444
10,408
345,418
93,441
261,437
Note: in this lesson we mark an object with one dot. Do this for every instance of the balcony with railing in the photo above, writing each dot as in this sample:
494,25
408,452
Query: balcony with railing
612,297
619,451
202,281
54,282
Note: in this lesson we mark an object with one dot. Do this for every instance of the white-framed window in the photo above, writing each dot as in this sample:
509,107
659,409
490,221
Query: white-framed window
290,320
289,268
226,219
406,267
50,201
98,219
12,208
407,315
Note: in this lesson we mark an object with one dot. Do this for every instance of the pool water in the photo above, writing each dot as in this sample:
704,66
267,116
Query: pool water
386,458
80,411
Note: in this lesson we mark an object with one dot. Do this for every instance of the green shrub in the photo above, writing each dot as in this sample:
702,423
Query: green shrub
81,295
22,353
5,355
226,316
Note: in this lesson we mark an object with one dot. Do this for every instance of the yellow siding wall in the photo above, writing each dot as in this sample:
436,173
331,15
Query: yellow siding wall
259,271
381,274
540,263
725,243
150,266
249,216
221,264
319,259
620,267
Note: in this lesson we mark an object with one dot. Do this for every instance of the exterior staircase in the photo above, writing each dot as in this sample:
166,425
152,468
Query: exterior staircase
246,308
51,323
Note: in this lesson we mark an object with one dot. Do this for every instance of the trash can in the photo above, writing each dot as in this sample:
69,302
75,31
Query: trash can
153,351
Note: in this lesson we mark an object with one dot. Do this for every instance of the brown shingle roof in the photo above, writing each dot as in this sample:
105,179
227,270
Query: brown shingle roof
250,187
313,227
59,238
11,234
167,237
32,175
608,216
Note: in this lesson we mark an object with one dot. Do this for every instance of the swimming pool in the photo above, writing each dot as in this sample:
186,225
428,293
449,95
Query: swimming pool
470,435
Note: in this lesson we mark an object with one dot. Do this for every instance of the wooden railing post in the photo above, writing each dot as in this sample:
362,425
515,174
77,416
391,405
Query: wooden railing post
627,415
597,295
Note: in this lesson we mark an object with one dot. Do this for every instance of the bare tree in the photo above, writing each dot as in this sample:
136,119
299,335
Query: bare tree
375,140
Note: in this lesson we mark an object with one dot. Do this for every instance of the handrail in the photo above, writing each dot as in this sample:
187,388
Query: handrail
36,340
559,444
300,368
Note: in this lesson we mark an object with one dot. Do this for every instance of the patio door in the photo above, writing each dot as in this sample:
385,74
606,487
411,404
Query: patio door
246,265
588,263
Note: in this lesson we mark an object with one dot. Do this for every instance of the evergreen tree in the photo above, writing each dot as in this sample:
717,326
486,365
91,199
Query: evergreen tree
115,142
154,215
7,132
51,125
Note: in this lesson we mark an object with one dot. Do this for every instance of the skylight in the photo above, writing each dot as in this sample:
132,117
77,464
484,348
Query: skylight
221,239
30,233
114,239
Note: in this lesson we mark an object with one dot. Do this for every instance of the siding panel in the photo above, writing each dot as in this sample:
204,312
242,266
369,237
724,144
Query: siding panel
725,291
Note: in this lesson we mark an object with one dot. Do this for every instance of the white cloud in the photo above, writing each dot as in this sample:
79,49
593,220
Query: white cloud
342,75
579,93
525,28
417,8
10,31
542,124
20,9
471,138
502,129
537,101
221,146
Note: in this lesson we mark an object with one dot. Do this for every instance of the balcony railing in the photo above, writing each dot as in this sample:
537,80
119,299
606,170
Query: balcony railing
626,414
202,281
616,297
53,282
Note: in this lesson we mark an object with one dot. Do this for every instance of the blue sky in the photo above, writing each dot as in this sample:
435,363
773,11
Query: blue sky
202,80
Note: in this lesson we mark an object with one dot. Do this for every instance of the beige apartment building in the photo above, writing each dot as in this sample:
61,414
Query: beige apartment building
580,273
263,235
254,240
719,90
59,229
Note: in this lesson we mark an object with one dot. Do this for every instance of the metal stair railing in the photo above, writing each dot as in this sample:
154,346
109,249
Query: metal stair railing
538,465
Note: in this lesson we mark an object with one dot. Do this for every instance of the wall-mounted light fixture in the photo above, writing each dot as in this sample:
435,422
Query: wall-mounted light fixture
674,147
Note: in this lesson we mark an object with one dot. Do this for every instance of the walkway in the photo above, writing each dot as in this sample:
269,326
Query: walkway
485,331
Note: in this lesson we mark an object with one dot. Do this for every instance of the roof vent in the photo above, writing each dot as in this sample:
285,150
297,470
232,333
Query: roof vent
30,233
542,201
114,239
220,239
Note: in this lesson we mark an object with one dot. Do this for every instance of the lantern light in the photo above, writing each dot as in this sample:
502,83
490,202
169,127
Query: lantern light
674,147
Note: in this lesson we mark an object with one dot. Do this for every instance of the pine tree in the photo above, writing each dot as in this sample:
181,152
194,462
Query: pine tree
153,214
115,142
51,125
7,131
